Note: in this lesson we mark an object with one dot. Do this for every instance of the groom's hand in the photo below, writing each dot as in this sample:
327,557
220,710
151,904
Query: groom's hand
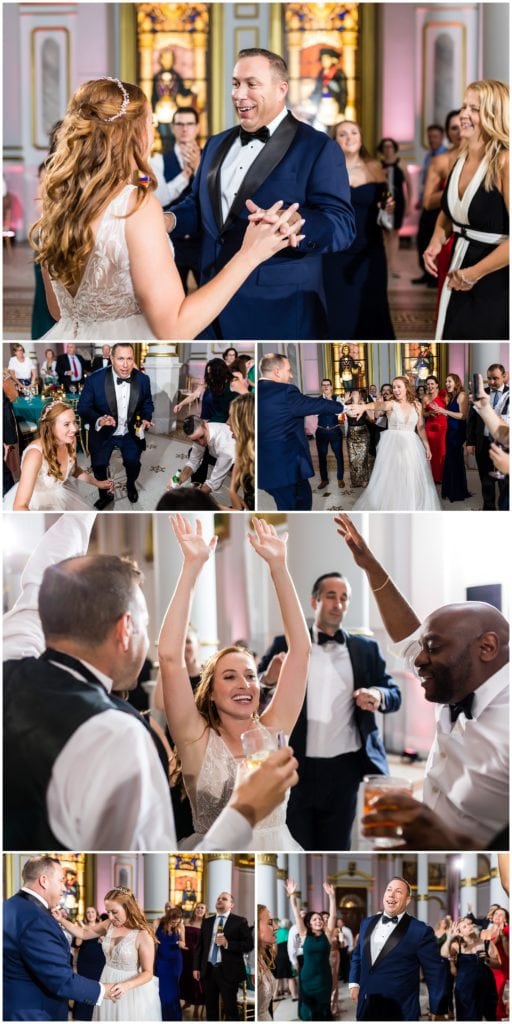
146,424
106,421
257,214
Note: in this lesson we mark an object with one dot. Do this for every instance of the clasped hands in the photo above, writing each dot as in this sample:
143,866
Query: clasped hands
288,228
110,421
114,990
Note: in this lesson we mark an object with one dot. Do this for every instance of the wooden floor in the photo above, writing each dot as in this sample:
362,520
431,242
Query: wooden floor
412,307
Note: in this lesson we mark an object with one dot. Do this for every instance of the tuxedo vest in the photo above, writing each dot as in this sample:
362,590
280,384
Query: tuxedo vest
43,708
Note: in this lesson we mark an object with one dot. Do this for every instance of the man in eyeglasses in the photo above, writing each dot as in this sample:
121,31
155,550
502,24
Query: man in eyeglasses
175,169
460,654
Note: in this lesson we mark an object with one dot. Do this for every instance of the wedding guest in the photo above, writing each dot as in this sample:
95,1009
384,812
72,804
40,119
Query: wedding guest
175,169
70,368
455,410
218,439
329,434
400,188
89,962
170,936
110,273
356,279
94,644
241,420
191,990
266,963
230,355
435,427
315,975
218,958
11,438
49,467
101,362
48,369
21,367
428,216
479,441
358,444
283,971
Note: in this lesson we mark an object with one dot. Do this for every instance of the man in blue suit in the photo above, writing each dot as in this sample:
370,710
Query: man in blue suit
335,740
38,977
385,968
284,459
116,403
175,169
270,157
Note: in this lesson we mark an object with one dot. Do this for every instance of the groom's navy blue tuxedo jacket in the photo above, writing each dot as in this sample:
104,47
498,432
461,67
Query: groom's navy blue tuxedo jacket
38,978
369,669
390,987
283,298
98,398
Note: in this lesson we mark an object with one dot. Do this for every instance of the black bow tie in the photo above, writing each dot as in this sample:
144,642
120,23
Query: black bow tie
386,920
324,638
124,380
262,134
462,705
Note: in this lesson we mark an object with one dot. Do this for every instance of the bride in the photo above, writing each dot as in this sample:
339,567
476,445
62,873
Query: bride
49,469
401,478
107,262
129,946
207,726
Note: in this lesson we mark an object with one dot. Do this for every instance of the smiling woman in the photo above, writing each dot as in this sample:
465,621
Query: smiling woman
207,728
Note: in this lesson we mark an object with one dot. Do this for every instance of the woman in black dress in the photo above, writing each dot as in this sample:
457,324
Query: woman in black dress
356,280
475,296
400,186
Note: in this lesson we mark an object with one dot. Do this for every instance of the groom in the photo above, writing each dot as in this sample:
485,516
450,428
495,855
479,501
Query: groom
115,402
271,156
38,977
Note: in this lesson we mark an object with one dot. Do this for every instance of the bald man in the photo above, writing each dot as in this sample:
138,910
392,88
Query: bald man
460,654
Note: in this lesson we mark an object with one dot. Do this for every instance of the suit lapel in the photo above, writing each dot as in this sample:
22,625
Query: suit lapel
266,161
110,392
355,655
213,176
396,936
134,397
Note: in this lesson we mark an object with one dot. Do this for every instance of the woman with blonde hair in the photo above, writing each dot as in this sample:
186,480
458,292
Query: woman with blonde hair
401,480
356,279
474,300
129,947
207,726
241,420
101,238
267,984
49,467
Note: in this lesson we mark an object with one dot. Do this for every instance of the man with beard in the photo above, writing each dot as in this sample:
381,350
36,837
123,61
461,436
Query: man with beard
460,653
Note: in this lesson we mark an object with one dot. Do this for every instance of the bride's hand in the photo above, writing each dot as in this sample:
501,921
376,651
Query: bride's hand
196,551
267,543
271,216
269,236
118,990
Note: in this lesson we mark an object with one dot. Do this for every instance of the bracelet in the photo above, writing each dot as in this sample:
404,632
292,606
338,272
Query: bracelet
376,591
466,280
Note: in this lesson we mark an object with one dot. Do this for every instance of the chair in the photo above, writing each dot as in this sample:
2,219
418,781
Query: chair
246,1003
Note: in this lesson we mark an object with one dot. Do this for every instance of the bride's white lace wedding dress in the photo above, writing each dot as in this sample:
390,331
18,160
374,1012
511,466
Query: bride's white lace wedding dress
105,306
121,964
50,494
213,789
401,480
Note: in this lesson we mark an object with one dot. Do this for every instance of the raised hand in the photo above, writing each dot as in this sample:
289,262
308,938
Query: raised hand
267,543
291,887
196,551
329,890
355,542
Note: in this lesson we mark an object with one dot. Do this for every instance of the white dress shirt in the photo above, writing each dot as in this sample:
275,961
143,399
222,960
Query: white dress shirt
378,939
221,445
467,772
118,797
332,728
123,400
238,161
168,191
76,368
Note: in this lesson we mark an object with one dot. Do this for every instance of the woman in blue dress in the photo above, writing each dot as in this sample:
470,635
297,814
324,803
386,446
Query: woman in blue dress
454,486
169,962
356,280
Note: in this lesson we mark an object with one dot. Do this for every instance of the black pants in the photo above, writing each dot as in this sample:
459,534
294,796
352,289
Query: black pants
215,985
322,806
130,454
333,437
489,483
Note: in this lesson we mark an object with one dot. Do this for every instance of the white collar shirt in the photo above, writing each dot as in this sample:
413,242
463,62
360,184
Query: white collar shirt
332,728
380,935
36,895
75,367
238,161
123,401
214,932
221,445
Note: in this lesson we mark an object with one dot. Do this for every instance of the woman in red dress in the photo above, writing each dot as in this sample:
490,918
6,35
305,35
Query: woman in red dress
499,935
436,427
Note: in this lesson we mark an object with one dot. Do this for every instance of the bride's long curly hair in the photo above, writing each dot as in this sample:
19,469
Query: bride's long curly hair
47,437
93,157
134,916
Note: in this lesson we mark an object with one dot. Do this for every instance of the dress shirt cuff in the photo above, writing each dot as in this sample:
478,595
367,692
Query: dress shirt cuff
353,984
101,995
377,694
98,425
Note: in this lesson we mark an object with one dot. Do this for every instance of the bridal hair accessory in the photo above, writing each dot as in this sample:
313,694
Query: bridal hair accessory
124,104
123,890
48,408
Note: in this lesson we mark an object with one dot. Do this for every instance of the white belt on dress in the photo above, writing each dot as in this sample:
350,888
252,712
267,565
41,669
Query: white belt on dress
465,236
487,237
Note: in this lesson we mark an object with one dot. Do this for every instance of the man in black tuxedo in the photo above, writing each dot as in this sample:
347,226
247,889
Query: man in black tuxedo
478,440
117,405
70,368
101,362
336,739
218,957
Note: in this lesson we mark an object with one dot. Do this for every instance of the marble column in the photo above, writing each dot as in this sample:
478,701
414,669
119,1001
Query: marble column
156,884
282,874
162,366
497,892
266,890
495,35
422,896
219,877
468,888
168,561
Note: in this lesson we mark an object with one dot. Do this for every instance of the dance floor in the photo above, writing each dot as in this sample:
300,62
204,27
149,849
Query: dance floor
286,1009
335,499
412,307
